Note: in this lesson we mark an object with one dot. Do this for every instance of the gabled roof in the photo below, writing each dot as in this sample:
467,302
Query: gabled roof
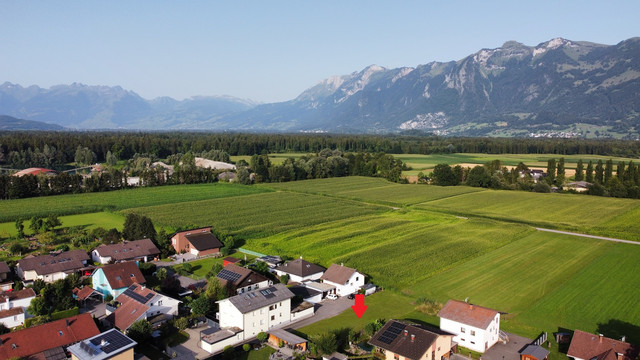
126,314
589,346
256,299
535,351
338,274
54,334
468,314
123,274
33,171
396,337
243,276
11,312
102,346
17,295
128,250
84,293
204,241
54,263
300,268
4,268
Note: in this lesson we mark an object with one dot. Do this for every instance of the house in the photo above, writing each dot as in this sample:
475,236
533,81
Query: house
138,302
300,270
34,172
5,283
398,340
140,250
110,344
271,260
231,260
307,294
288,340
577,186
198,242
586,346
13,306
345,279
475,327
536,174
534,352
237,279
244,316
51,267
47,340
114,279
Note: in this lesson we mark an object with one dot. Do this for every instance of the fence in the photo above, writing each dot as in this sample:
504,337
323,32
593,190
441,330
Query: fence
542,338
251,252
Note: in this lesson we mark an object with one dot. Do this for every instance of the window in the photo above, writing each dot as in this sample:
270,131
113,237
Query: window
462,330
473,333
473,342
173,241
159,302
273,317
356,278
261,322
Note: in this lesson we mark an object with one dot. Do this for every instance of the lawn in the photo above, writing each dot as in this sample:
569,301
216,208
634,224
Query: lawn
71,204
103,219
200,268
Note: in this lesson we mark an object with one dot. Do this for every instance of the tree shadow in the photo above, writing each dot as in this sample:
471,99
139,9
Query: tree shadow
563,337
616,329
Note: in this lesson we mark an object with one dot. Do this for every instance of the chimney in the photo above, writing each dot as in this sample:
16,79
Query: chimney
300,257
67,322
601,336
470,306
341,264
406,333
624,338
413,337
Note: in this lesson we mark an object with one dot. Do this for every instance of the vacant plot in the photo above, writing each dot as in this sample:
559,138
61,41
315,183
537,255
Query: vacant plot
105,220
260,215
71,204
567,211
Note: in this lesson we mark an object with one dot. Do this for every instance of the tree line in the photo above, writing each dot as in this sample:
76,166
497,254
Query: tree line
55,149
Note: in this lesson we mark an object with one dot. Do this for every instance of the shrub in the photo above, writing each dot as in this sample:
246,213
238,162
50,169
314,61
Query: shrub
246,347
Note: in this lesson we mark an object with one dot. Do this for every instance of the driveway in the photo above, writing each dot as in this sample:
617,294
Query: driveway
190,349
508,351
324,310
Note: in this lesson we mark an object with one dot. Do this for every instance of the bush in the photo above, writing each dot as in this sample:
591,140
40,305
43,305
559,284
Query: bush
262,336
284,279
246,347
147,268
542,187
64,314
181,323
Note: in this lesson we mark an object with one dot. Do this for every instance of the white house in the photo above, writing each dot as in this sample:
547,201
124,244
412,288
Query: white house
13,305
138,302
51,267
139,250
244,316
237,279
345,279
300,270
475,327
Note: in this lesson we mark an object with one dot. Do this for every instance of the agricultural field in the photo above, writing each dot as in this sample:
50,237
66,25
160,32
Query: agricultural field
103,219
117,200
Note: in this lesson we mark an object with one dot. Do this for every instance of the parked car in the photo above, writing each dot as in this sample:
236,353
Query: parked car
352,296
332,296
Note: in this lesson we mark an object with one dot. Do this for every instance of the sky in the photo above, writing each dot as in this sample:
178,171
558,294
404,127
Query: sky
270,51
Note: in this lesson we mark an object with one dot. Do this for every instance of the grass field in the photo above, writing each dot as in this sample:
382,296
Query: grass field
103,219
71,204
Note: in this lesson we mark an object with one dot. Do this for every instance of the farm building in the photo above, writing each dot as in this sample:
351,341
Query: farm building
53,266
140,250
475,327
397,339
138,302
110,344
198,242
300,270
586,346
116,278
345,279
238,280
578,186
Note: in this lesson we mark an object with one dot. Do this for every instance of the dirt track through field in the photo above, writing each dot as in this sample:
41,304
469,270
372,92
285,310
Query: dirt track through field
589,236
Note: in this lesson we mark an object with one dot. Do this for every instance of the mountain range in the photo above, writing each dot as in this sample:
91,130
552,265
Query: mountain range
558,88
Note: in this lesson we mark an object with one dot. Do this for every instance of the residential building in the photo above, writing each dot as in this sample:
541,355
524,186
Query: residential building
53,266
114,279
138,302
5,283
48,340
271,260
13,306
345,279
307,294
534,352
34,171
577,186
300,270
475,327
399,340
110,344
198,242
237,279
139,250
586,346
244,316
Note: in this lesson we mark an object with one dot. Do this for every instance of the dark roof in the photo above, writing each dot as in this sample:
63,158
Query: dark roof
535,351
123,274
338,274
4,268
303,291
54,263
300,268
204,241
236,276
17,295
256,299
232,260
468,314
128,249
102,346
290,338
395,336
588,346
11,312
49,336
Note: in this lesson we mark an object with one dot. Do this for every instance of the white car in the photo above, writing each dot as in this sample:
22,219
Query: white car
332,297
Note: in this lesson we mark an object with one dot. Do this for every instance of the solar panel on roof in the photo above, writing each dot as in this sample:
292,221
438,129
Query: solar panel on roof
228,275
135,296
392,332
114,341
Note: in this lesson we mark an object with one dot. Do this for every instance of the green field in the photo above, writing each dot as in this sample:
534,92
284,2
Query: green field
103,219
11,210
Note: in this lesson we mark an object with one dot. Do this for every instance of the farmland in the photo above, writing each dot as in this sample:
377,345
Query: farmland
106,220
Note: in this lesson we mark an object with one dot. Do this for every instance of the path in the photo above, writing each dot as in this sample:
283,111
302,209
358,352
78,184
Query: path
589,236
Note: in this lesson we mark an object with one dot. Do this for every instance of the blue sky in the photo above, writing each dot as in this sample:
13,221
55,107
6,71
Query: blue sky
272,50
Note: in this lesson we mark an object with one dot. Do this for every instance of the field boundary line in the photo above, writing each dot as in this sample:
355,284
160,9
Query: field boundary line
589,236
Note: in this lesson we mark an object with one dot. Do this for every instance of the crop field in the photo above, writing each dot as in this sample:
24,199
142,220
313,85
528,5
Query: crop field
103,219
258,215
568,211
623,226
374,190
70,204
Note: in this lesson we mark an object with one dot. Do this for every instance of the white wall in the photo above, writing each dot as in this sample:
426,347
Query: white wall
299,279
161,304
229,315
255,286
237,338
302,314
13,320
480,337
264,319
355,282
97,258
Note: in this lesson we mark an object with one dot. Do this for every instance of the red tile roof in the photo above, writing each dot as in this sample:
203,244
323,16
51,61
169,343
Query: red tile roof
123,274
34,171
338,274
468,314
84,293
588,346
17,295
126,314
47,336
11,312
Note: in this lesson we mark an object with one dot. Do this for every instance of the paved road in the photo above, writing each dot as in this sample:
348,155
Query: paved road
589,236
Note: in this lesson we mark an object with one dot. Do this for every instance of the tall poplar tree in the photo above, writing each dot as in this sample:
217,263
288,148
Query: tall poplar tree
579,171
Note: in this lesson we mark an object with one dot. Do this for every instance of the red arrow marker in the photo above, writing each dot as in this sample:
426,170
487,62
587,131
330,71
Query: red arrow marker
359,308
